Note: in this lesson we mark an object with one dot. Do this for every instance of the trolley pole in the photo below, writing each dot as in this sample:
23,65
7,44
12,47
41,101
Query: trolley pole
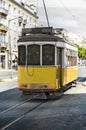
46,13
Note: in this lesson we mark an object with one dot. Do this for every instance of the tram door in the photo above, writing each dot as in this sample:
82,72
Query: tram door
59,64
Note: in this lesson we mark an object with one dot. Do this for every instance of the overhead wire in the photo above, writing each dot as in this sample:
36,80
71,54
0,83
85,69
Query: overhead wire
73,16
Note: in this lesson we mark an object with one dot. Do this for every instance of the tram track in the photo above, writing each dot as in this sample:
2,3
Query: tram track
8,100
18,104
30,106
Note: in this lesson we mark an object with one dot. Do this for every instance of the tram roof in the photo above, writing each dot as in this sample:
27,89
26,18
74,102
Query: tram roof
40,37
40,34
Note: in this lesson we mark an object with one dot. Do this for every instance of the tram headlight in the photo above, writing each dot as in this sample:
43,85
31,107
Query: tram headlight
24,86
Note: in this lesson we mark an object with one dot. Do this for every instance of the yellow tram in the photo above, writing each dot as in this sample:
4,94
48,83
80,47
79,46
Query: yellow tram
46,61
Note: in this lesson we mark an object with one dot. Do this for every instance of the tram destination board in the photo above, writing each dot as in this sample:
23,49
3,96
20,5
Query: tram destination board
44,30
41,30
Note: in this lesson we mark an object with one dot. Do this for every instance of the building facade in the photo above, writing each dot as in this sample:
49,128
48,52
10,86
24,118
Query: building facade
14,15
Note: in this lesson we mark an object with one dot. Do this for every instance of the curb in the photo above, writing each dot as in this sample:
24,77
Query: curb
84,84
9,79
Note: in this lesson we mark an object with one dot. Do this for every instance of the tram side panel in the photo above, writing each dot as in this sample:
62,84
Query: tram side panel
69,75
70,68
48,78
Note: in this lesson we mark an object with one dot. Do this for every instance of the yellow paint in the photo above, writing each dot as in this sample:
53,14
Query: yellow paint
69,74
38,75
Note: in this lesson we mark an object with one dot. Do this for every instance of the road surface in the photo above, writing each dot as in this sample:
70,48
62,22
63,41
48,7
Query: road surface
24,113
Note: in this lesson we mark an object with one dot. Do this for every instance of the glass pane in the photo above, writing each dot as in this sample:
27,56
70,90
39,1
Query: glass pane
59,56
33,55
48,54
21,55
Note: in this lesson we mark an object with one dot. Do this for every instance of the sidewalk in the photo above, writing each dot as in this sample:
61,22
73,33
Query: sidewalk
8,75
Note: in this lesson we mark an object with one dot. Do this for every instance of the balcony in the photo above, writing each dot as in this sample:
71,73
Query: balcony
3,12
3,45
3,28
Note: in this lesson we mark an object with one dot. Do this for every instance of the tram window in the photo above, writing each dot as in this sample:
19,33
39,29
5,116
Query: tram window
72,61
71,58
48,54
21,55
33,55
59,56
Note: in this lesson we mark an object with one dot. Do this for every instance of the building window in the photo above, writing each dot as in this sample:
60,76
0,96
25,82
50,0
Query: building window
15,43
0,2
4,3
9,8
14,10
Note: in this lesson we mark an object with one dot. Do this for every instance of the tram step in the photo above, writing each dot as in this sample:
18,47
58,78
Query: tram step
39,96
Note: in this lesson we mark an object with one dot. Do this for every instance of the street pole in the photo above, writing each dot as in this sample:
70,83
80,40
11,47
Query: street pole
9,44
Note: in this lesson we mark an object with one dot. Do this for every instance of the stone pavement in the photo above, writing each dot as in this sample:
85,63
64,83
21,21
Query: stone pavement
84,83
8,75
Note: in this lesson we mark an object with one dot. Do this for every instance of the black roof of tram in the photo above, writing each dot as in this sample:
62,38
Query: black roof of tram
40,37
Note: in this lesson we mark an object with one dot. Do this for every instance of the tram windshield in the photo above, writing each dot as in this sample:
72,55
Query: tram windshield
33,55
48,55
